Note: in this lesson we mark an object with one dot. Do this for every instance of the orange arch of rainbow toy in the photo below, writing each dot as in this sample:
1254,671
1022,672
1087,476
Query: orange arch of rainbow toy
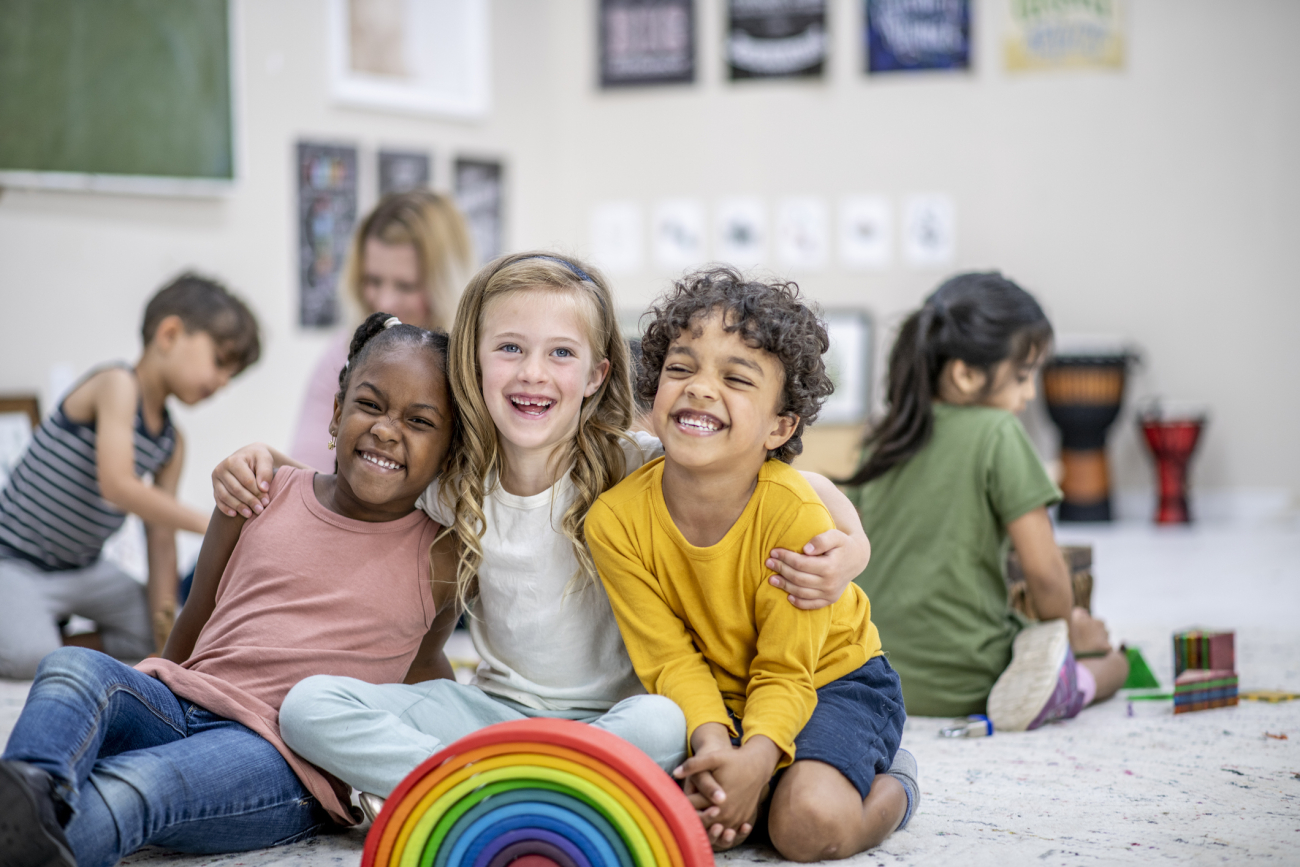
444,813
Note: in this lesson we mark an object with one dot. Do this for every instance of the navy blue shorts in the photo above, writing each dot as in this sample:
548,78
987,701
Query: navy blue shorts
857,725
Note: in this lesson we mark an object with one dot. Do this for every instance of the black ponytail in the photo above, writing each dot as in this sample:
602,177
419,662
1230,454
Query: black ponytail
982,319
374,335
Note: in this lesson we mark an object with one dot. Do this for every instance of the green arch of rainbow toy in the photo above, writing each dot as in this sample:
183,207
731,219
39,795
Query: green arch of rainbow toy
538,793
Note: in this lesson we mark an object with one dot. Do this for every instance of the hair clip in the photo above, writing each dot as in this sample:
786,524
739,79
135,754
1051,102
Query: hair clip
391,321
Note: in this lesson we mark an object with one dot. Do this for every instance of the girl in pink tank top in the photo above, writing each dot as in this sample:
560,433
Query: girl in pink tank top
339,574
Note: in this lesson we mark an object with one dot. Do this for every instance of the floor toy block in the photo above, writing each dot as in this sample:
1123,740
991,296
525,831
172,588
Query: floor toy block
1204,649
1140,675
1201,689
538,793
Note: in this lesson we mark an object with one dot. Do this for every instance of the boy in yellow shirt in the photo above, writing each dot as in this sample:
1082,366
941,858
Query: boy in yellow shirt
734,372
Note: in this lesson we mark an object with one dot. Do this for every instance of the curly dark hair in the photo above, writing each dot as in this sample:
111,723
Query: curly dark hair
769,316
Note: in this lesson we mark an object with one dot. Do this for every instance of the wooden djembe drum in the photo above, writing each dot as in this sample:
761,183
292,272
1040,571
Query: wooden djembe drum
1172,438
1083,394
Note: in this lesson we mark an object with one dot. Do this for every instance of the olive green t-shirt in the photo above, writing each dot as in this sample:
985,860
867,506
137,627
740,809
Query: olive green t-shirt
938,530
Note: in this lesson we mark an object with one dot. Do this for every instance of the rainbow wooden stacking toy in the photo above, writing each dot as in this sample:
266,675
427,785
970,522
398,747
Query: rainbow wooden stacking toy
538,793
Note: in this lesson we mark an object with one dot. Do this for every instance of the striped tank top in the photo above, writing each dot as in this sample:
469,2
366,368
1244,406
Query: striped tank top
51,511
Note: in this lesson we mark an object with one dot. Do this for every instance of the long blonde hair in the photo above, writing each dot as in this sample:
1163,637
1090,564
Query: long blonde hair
431,224
595,456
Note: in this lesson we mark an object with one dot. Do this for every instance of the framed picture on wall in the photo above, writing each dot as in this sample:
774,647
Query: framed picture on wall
646,42
402,171
479,195
848,362
906,35
776,38
409,56
327,210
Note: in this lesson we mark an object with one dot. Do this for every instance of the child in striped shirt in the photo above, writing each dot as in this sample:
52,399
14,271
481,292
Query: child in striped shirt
89,464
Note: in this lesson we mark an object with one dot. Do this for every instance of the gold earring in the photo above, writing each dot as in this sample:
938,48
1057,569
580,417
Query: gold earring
331,444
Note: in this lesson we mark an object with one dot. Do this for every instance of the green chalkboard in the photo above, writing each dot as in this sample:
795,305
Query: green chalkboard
116,88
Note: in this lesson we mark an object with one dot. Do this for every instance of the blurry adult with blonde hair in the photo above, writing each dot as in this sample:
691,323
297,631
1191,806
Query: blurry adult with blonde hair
409,257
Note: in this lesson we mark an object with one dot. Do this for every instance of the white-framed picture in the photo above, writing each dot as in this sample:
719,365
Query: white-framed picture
848,363
802,233
741,227
616,237
422,56
929,230
677,233
866,239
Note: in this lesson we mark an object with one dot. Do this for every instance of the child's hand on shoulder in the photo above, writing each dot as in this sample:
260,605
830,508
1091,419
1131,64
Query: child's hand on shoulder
819,575
727,784
240,482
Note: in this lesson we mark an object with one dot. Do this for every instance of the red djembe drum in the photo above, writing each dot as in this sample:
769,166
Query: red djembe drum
1172,438
1083,394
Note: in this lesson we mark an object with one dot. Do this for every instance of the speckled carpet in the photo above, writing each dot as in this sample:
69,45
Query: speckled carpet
1121,784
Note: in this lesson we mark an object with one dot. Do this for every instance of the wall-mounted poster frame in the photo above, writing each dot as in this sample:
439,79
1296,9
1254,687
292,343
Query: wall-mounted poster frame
646,42
480,196
429,57
776,38
907,35
848,362
401,171
327,210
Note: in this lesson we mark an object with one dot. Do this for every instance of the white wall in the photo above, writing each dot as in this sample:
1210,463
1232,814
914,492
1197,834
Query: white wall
1156,202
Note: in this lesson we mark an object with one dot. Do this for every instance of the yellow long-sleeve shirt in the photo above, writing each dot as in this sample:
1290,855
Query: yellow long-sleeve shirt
704,627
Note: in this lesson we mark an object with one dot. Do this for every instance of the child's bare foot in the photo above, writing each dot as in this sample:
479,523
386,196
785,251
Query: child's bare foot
1088,635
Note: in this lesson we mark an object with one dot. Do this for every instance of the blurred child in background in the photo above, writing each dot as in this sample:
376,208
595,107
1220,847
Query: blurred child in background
86,468
949,476
409,257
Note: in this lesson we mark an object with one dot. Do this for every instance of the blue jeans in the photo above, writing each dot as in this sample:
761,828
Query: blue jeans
139,766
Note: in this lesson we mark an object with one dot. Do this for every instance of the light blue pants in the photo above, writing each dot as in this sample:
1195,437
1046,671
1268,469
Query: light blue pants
372,735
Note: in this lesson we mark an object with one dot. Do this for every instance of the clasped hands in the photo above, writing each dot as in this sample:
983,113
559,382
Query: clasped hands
726,784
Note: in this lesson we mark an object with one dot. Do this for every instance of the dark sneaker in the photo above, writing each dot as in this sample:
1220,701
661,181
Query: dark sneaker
30,834
1039,685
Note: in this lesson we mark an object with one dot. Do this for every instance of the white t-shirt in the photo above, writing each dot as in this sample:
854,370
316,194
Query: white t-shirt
543,647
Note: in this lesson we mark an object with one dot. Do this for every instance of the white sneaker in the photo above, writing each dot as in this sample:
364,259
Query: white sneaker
1025,696
370,805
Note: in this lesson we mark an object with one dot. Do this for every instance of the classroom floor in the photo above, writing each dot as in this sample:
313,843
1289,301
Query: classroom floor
1113,786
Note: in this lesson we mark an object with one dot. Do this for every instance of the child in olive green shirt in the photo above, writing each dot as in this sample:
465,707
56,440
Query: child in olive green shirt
950,480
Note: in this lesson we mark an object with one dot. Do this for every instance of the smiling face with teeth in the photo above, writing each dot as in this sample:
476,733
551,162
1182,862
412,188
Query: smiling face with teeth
717,401
393,428
537,366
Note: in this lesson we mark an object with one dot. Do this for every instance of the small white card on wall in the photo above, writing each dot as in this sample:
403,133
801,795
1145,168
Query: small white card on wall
929,230
677,233
742,232
866,232
616,240
802,230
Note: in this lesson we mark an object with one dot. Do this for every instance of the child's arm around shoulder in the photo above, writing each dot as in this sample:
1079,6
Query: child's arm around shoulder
431,661
109,399
816,573
218,544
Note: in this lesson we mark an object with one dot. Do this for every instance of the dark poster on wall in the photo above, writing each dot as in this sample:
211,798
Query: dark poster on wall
776,38
403,171
646,42
905,35
478,194
327,210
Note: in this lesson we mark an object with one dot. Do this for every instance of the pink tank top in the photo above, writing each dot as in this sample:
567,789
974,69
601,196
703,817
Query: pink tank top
308,592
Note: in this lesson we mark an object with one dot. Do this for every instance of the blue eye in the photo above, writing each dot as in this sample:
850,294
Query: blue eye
510,347
564,353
